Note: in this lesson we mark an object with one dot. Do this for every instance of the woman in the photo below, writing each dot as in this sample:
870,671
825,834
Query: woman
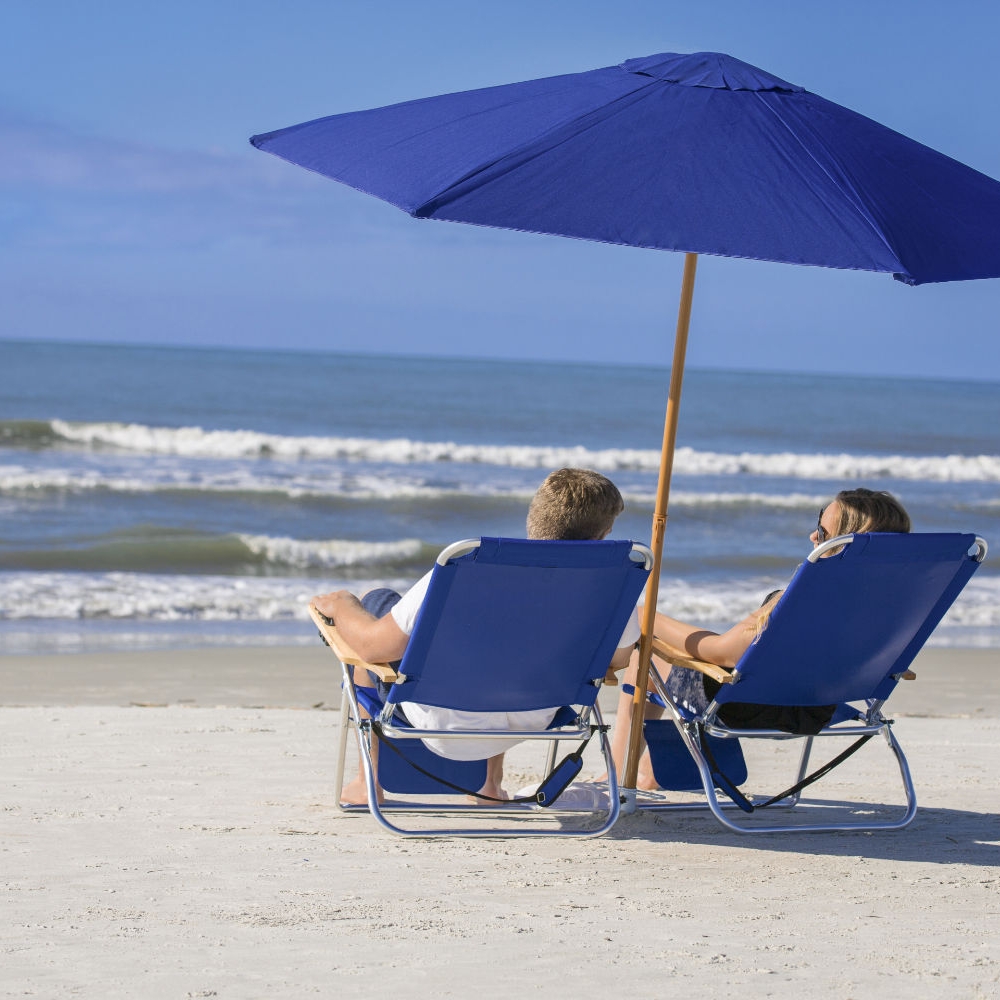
850,512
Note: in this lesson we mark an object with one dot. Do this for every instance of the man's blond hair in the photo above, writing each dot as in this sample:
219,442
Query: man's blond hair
574,504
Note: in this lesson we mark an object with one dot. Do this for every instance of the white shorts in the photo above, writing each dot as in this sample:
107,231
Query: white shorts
431,717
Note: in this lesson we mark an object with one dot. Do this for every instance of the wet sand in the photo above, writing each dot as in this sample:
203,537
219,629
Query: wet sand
950,682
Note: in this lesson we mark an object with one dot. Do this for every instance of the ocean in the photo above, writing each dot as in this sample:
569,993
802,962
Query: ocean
174,497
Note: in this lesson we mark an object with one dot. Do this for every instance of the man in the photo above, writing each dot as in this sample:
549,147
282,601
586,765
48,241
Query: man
571,504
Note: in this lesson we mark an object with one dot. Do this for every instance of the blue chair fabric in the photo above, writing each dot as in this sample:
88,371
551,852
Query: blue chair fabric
503,610
848,623
512,625
843,633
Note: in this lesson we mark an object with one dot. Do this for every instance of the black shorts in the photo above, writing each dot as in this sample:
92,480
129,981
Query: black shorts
805,720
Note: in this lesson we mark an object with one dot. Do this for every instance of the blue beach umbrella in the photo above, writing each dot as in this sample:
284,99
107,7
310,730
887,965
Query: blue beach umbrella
696,153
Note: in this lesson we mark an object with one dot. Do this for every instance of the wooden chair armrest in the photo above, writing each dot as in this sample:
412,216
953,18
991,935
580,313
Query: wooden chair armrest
679,658
344,652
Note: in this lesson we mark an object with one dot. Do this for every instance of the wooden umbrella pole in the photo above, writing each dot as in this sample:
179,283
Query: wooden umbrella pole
659,528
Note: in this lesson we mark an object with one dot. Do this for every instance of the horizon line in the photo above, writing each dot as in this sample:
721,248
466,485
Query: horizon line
485,358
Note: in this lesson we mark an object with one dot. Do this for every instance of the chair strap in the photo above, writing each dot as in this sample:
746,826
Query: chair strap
719,777
543,796
745,804
821,772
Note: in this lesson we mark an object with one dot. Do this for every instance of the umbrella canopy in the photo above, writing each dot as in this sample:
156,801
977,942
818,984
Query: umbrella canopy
701,153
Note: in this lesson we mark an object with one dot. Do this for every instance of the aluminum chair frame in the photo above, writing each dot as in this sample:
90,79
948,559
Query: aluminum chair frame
868,721
588,723
523,811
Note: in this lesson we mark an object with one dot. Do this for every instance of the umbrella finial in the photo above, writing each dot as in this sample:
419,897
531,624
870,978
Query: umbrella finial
707,69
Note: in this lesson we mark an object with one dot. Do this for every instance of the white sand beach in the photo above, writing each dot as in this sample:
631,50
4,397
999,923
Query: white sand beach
168,829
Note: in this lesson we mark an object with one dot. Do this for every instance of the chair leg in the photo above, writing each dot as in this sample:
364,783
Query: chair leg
793,800
614,796
345,724
727,820
352,715
550,758
904,773
517,813
365,738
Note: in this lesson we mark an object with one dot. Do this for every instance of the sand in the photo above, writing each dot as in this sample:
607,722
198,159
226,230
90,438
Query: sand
168,829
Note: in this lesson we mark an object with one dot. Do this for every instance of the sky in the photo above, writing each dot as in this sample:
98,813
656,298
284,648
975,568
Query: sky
133,208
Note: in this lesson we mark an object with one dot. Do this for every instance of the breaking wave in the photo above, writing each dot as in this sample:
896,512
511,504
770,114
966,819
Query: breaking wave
148,597
18,480
196,442
156,550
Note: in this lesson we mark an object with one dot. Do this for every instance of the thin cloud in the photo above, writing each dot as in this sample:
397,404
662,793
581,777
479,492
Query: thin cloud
46,155
72,189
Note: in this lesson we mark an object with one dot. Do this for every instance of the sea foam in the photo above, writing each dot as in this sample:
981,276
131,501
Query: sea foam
330,482
150,597
195,442
331,554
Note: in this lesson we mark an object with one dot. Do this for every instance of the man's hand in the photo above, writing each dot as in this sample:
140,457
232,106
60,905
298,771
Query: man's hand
377,640
327,604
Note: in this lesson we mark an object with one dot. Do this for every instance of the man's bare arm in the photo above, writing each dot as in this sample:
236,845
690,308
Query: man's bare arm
377,640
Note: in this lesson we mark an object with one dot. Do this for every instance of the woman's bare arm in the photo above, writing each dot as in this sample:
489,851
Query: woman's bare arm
723,649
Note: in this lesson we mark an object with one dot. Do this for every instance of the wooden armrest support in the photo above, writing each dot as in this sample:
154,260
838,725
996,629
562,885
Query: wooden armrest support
344,652
679,658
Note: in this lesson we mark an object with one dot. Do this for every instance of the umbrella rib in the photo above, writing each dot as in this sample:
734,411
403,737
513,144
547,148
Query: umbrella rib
848,189
530,150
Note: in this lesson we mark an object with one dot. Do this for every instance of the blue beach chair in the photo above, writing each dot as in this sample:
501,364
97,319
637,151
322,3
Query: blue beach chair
841,636
507,625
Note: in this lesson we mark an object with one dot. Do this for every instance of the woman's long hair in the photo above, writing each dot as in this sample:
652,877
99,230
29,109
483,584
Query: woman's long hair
861,510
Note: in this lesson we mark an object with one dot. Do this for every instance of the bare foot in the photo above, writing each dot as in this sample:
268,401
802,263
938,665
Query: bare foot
644,780
356,793
494,791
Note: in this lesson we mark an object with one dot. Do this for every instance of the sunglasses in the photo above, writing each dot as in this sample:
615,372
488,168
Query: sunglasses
821,534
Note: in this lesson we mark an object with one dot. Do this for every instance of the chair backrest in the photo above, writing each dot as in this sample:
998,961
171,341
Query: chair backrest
516,625
849,622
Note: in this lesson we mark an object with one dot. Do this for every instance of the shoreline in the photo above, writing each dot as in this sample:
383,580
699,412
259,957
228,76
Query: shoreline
951,682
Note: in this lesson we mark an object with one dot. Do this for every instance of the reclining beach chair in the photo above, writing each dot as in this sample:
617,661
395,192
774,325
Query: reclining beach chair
507,625
843,634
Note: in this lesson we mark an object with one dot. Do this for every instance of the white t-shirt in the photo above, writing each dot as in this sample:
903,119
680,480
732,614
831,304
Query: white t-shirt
431,717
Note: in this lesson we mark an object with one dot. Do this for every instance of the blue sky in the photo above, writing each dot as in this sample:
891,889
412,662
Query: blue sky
134,209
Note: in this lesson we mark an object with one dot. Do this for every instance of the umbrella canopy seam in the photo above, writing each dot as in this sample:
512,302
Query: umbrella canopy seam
527,152
850,191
